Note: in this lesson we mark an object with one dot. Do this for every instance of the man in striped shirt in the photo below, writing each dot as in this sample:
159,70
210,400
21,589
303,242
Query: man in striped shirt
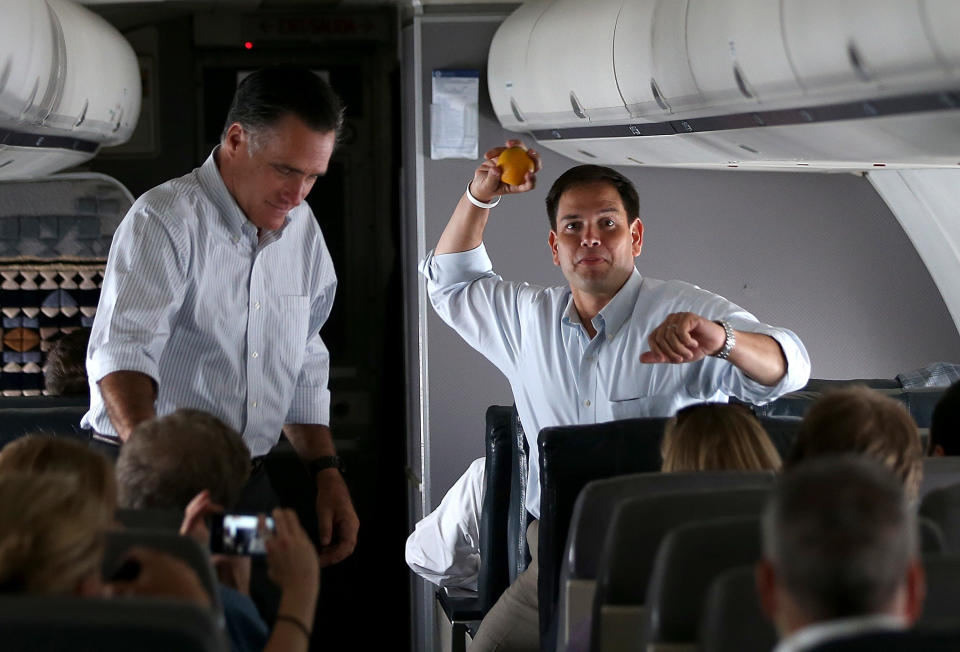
216,287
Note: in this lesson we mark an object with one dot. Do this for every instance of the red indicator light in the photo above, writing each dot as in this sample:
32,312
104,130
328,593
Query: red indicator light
248,45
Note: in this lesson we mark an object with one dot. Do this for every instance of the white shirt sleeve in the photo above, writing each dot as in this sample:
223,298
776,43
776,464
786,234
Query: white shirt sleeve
444,548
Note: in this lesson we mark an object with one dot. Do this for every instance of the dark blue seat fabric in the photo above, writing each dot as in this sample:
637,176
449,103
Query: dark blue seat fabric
62,420
570,457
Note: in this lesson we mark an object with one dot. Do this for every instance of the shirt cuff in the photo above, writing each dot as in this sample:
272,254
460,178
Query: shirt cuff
107,360
309,405
459,267
798,365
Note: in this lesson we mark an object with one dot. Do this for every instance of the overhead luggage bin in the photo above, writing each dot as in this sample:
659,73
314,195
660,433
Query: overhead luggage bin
650,52
737,54
570,64
510,88
878,45
940,18
72,86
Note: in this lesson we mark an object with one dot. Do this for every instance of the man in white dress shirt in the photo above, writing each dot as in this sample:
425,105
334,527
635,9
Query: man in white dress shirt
216,287
444,547
840,554
610,345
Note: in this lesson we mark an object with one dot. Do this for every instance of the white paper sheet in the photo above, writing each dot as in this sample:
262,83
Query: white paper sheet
453,114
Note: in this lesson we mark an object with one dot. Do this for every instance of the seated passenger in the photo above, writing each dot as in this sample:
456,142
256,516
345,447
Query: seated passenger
840,554
444,548
191,460
65,373
52,541
714,437
945,424
45,454
862,420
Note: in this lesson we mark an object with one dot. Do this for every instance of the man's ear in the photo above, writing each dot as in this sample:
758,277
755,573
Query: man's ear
636,233
765,578
235,138
916,588
552,240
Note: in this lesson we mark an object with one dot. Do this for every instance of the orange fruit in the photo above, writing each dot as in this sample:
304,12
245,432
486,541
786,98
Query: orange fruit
515,163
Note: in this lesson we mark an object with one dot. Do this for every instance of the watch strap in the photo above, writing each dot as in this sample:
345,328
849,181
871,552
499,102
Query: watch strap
323,463
729,341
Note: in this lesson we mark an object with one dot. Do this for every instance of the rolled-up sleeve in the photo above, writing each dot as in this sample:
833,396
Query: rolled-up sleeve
143,288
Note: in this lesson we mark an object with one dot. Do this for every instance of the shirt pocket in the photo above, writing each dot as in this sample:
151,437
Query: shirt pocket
293,320
644,395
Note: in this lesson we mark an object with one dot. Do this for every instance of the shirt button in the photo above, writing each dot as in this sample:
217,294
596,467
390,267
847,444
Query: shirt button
253,404
589,358
587,402
254,355
235,239
256,306
609,337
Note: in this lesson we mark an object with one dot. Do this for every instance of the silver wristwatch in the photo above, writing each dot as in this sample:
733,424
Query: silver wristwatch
729,341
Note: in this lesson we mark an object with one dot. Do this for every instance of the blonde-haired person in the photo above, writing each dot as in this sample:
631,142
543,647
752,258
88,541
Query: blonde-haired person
717,436
858,419
81,516
36,453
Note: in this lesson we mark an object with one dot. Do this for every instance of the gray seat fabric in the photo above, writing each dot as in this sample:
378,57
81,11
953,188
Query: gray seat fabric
943,591
732,620
592,514
689,559
942,506
187,550
56,623
939,472
635,533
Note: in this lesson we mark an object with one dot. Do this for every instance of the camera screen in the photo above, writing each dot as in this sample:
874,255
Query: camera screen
240,535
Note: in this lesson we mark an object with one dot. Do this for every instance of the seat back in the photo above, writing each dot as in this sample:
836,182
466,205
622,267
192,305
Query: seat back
782,432
688,560
732,620
939,472
186,549
62,420
518,553
635,533
493,576
943,591
53,623
570,457
942,506
592,515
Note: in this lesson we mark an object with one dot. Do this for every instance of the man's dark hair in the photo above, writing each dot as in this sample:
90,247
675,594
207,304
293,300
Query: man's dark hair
840,536
584,174
65,373
169,460
267,95
945,423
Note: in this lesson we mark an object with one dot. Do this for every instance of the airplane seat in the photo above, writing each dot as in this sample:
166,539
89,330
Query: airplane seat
592,514
166,520
782,432
942,506
638,527
33,623
570,457
63,420
731,619
919,401
688,559
181,547
503,520
939,472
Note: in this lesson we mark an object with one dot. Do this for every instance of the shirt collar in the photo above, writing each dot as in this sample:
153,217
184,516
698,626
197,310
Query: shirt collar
621,306
615,313
231,213
813,635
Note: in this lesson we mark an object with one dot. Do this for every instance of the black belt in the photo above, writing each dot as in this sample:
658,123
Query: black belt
256,464
106,439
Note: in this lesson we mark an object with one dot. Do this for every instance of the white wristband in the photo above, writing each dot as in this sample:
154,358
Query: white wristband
480,204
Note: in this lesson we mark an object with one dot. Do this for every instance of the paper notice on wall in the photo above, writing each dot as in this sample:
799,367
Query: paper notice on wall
454,115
